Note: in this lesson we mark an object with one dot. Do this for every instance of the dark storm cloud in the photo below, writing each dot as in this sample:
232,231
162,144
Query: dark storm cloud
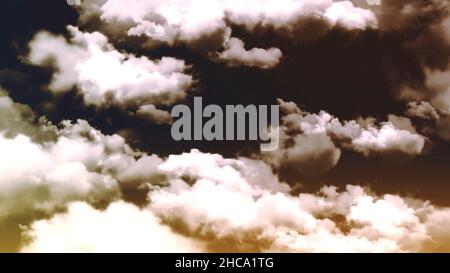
424,27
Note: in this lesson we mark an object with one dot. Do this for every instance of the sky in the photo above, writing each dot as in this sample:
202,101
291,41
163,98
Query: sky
88,163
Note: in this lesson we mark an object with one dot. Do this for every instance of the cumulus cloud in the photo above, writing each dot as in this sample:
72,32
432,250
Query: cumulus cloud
206,25
43,177
287,13
237,214
311,144
198,202
396,136
235,54
67,183
305,154
226,205
105,76
203,22
43,167
388,138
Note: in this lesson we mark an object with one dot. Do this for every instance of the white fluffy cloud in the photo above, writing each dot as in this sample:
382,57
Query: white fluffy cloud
286,13
197,201
56,180
234,172
43,167
103,75
184,21
235,54
238,205
394,136
205,24
220,208
43,177
311,144
388,138
122,227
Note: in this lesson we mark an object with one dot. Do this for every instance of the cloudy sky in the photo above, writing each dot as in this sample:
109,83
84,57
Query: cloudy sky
87,162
